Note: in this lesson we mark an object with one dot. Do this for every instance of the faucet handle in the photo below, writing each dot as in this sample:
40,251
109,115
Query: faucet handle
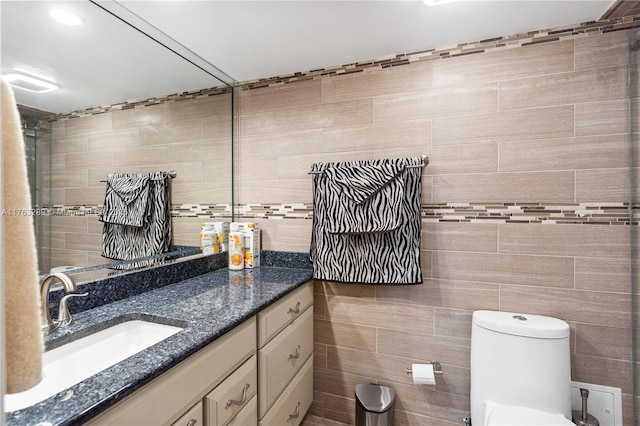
64,316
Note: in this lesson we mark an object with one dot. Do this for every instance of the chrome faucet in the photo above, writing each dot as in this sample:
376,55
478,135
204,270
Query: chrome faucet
64,317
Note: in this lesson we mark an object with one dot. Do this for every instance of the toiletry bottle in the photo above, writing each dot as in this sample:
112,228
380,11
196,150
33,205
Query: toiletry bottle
236,251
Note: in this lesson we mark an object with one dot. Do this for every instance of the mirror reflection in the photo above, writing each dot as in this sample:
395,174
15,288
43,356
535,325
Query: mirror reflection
98,97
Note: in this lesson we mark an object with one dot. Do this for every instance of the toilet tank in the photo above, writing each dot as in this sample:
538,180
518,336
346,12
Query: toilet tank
519,359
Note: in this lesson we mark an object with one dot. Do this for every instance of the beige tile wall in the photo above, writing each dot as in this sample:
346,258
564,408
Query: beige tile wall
191,136
545,124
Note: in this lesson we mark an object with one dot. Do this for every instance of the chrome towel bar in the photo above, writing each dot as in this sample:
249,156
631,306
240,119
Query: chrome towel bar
170,173
425,161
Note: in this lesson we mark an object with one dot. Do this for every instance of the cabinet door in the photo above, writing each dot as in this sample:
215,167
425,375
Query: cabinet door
293,404
232,395
192,417
282,358
279,315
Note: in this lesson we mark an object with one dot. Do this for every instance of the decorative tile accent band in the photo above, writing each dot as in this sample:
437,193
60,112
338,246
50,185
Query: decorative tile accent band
196,94
573,213
579,213
570,213
276,211
534,37
204,211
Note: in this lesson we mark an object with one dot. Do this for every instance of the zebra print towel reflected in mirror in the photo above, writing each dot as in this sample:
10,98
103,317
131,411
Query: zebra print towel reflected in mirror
136,216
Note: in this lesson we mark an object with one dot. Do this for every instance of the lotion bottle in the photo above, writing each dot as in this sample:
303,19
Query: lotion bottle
236,251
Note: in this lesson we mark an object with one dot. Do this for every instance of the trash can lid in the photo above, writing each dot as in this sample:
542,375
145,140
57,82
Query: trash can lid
375,398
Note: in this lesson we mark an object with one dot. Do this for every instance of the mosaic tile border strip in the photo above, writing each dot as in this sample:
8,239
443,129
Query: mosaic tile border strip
570,213
508,42
276,211
203,211
196,94
578,213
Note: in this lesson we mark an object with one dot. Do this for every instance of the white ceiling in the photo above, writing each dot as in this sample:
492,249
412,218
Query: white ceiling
257,39
104,61
101,62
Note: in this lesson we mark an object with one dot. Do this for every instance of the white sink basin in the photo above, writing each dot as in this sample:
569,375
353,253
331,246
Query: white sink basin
69,364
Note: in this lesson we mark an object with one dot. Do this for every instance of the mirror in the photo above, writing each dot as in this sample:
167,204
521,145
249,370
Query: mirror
128,99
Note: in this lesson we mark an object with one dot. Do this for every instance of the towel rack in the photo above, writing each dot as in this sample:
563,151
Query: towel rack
425,161
170,173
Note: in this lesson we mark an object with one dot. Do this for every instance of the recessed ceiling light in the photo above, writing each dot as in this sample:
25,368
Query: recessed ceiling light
31,84
65,17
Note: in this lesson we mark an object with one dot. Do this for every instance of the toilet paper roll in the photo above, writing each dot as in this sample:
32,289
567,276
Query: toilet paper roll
423,374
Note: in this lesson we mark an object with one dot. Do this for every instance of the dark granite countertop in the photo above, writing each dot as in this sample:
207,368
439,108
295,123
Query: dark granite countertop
206,306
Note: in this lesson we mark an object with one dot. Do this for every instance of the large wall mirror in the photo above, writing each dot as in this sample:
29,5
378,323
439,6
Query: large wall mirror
102,93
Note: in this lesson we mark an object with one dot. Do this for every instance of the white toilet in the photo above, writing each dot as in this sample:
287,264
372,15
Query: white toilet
520,370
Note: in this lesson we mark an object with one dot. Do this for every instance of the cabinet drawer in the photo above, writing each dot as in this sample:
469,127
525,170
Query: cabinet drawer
294,403
232,395
192,417
248,416
282,358
277,316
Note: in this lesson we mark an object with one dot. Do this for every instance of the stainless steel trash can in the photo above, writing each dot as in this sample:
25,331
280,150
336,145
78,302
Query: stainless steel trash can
374,405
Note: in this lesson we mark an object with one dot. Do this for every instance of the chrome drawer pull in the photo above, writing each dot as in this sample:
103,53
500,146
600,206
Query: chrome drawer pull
241,401
295,310
296,355
192,422
296,414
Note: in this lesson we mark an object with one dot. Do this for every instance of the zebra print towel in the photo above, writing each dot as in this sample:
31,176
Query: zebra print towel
136,216
125,202
366,221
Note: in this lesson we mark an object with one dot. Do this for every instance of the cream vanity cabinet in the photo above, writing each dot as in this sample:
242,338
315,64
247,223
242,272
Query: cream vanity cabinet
261,372
285,362
217,386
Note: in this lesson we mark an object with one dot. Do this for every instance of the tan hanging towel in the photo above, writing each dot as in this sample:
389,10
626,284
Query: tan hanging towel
23,336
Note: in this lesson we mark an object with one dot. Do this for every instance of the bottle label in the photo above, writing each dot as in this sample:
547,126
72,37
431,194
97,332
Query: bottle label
236,251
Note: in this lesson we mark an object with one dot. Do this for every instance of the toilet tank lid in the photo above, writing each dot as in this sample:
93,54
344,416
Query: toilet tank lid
525,325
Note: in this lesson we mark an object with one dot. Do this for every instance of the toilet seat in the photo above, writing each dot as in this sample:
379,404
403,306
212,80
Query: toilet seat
511,415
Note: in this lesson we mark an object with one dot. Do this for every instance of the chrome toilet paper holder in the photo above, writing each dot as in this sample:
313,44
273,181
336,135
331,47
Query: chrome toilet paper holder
437,368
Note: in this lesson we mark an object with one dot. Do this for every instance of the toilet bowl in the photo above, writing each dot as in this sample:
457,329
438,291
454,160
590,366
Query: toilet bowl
510,415
520,370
